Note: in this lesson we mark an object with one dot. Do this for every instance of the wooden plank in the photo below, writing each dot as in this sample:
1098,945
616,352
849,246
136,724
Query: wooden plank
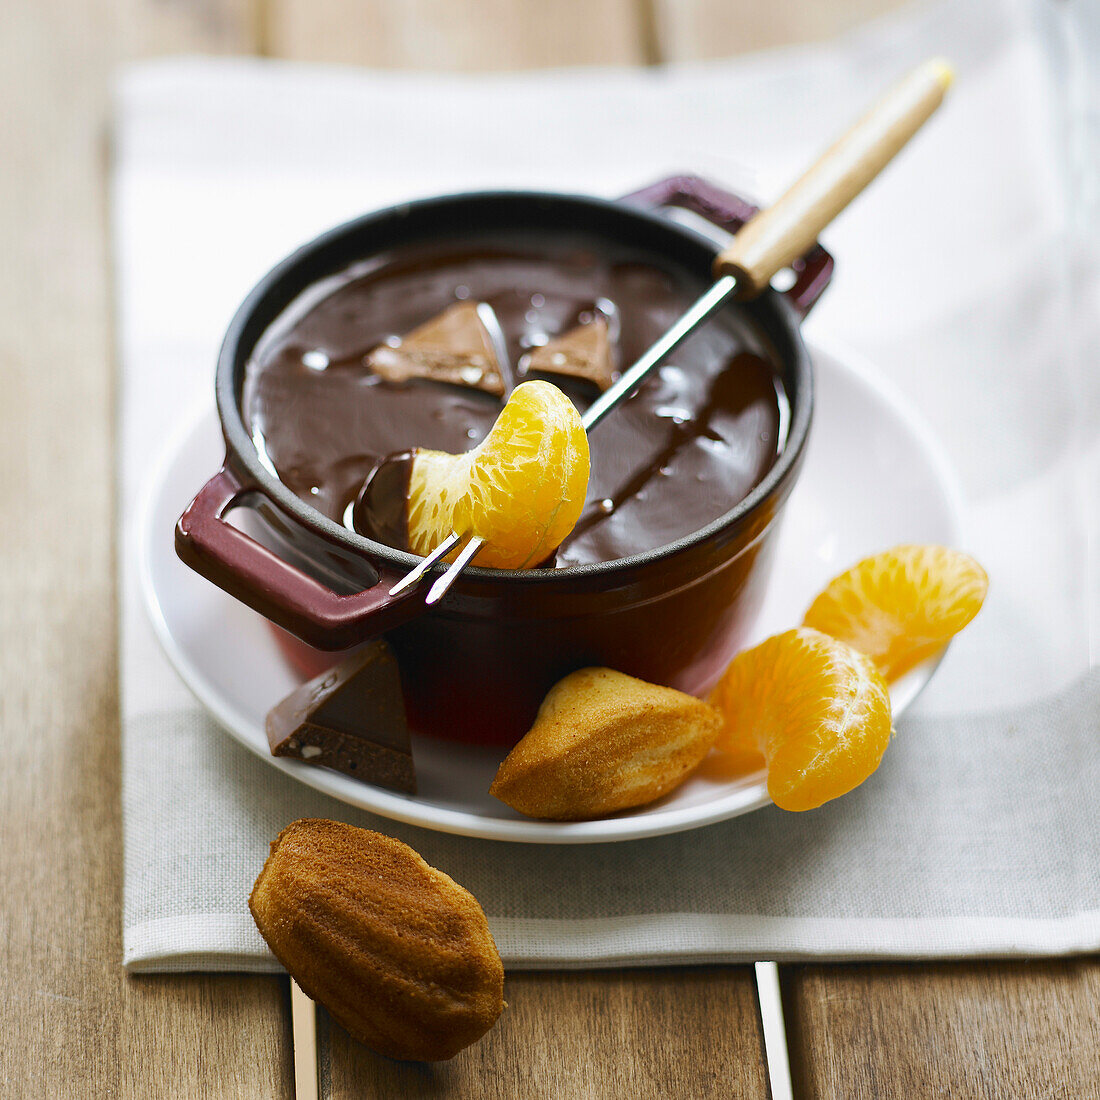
456,34
148,28
976,1030
640,1034
75,1026
205,1035
685,30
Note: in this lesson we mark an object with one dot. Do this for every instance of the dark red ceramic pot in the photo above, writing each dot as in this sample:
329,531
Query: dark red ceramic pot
477,667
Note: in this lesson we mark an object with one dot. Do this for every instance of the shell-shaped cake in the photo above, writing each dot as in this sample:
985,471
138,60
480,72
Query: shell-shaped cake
603,742
398,952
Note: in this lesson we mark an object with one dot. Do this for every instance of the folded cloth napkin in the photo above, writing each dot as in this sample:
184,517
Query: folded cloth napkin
965,273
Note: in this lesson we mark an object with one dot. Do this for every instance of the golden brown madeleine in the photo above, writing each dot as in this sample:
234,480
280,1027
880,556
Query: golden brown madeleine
604,741
397,951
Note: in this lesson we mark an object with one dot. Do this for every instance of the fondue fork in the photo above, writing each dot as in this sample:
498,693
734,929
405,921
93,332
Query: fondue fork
766,243
713,299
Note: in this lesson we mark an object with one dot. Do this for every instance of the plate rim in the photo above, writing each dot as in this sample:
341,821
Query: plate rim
407,810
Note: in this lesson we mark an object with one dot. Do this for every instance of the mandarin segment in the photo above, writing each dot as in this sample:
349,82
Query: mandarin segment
815,708
522,489
901,606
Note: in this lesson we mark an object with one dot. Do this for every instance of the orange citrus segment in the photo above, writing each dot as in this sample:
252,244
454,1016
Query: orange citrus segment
521,489
901,606
817,709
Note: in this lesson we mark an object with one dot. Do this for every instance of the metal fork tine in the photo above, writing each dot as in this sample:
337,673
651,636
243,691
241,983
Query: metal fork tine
439,589
414,574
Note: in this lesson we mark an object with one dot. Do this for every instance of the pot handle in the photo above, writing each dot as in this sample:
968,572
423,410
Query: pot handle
279,591
728,211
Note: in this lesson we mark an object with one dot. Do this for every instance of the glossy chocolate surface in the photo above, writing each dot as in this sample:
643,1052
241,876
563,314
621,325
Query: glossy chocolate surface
681,453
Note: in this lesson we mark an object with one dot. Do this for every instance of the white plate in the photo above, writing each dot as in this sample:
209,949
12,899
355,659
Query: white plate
873,477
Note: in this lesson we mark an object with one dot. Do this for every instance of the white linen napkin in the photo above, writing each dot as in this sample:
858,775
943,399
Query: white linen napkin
966,274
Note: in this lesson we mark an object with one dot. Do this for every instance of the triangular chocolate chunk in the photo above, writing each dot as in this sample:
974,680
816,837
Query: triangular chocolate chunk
455,347
351,719
582,352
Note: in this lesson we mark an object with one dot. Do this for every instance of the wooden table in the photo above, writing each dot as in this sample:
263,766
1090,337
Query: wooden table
75,1025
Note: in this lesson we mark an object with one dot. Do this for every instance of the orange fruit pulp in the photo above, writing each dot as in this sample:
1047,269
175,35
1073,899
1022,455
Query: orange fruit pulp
815,709
522,489
901,606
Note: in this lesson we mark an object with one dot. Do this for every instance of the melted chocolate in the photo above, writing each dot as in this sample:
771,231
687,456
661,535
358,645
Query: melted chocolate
381,509
682,452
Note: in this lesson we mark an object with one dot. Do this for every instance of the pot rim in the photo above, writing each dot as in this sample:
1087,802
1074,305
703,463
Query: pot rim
241,451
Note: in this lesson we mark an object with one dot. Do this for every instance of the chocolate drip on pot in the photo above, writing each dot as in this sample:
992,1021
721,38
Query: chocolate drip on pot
381,509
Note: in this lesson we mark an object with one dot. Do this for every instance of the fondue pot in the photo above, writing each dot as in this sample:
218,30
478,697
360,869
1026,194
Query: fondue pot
476,666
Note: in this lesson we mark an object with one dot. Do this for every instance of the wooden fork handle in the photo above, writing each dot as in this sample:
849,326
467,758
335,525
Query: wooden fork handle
784,231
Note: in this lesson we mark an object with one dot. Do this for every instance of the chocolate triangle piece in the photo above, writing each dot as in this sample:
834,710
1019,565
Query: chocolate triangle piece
456,347
351,719
582,352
